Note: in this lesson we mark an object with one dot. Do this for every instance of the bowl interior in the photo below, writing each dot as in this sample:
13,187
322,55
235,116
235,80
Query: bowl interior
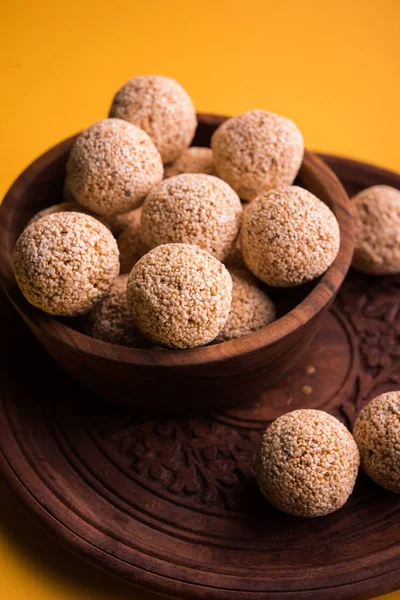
41,185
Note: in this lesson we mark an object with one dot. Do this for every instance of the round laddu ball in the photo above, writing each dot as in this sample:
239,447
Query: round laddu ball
192,160
376,212
256,152
112,167
251,307
67,207
66,262
194,209
377,433
289,237
307,463
130,242
111,319
162,108
180,295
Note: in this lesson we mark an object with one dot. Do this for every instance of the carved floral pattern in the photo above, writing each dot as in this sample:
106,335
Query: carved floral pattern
372,307
197,458
206,462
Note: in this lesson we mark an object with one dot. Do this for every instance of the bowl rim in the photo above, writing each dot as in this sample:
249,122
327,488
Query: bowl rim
313,304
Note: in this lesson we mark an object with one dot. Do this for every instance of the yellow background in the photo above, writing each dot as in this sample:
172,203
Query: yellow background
333,67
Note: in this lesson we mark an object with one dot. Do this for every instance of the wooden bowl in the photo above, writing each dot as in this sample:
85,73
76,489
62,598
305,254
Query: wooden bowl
199,379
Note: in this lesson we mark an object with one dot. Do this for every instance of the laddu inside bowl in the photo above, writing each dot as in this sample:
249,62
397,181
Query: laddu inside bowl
162,380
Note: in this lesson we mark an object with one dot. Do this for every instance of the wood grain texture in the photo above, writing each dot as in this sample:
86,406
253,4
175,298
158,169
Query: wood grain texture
164,380
171,504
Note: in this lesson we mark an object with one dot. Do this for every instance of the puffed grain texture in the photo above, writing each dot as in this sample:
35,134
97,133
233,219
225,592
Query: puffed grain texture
130,242
307,463
377,433
180,295
192,160
194,209
69,206
66,262
251,307
112,167
111,320
288,237
162,108
257,151
376,212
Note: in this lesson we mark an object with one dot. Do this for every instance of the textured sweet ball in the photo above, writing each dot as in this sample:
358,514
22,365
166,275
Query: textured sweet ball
67,207
377,433
66,262
289,237
194,209
251,307
112,167
130,242
111,320
180,295
162,108
257,151
192,160
376,212
307,463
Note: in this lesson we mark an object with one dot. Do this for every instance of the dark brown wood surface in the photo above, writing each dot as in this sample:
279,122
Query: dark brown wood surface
164,380
171,504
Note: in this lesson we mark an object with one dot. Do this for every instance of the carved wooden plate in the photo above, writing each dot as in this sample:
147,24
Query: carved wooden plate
172,504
